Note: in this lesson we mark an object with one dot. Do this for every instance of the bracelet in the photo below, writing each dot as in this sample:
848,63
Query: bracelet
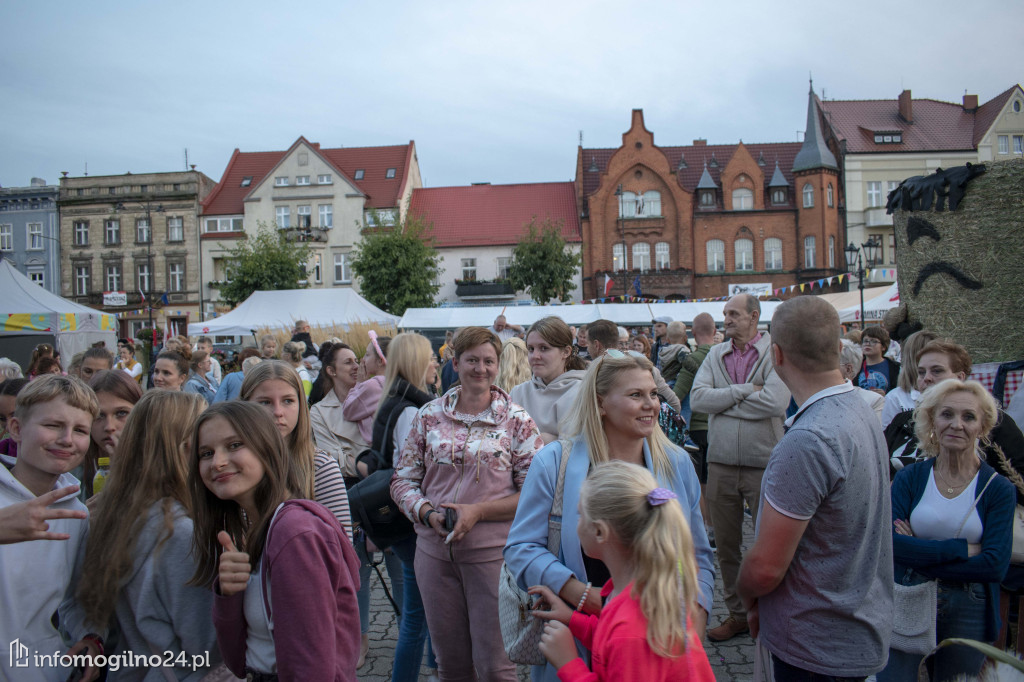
583,599
96,639
426,517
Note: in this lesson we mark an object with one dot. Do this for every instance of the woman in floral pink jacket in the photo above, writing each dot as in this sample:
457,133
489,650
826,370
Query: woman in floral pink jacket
467,455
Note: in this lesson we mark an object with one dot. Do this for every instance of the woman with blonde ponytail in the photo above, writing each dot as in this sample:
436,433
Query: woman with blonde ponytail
644,630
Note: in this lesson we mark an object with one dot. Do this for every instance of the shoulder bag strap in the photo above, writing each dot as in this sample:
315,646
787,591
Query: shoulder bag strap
555,527
971,510
388,459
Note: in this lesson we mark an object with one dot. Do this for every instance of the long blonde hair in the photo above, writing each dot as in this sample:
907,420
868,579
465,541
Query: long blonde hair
659,543
150,464
584,417
408,356
513,364
908,357
300,440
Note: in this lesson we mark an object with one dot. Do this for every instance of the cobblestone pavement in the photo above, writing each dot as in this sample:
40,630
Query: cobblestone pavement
731,661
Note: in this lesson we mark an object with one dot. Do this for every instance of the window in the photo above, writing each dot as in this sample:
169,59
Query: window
889,138
652,203
892,249
504,267
82,280
324,179
81,232
326,215
317,269
304,216
891,185
874,194
143,234
772,254
176,229
831,252
880,240
808,195
175,276
642,256
390,173
284,217
661,256
618,257
831,196
716,255
707,198
1004,144
246,181
281,181
742,199
35,236
628,203
809,247
778,196
112,233
113,278
744,252
469,269
1018,144
360,174
341,264
1016,106
224,225
142,279
36,275
112,190
6,237
302,180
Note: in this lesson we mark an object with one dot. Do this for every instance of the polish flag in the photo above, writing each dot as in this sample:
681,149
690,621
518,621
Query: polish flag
607,284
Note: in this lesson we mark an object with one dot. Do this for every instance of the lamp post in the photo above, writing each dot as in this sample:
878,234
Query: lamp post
622,233
149,265
869,249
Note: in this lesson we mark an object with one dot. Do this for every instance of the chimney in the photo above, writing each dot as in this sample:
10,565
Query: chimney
700,142
970,102
906,107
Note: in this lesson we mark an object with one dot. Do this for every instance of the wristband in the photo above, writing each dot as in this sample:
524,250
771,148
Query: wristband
426,517
583,599
96,639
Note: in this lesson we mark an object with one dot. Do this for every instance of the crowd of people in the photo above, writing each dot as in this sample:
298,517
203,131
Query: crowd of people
218,520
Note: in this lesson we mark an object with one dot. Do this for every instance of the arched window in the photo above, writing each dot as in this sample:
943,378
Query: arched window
772,254
808,195
652,203
707,198
831,197
779,195
661,257
742,199
809,246
744,254
627,205
716,255
642,256
831,249
618,258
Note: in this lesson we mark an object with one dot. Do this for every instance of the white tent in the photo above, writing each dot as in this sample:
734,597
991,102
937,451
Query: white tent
319,307
31,314
874,308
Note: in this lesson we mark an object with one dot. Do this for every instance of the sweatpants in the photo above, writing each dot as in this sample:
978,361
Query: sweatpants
461,605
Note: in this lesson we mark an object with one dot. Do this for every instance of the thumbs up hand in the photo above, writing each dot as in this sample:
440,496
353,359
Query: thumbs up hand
234,567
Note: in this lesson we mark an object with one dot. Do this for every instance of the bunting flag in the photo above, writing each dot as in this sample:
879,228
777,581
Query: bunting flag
830,280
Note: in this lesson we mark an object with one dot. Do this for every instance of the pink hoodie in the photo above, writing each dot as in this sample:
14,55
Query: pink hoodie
361,405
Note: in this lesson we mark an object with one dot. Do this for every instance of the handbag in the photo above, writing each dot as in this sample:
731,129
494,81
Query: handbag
520,631
373,509
915,621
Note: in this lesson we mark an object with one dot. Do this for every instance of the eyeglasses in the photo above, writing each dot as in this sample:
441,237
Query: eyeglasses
871,342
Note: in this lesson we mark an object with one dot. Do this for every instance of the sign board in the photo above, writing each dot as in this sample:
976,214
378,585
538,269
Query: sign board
115,298
754,289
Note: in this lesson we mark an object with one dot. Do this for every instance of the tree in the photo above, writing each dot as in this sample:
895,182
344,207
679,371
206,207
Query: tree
266,262
542,266
398,266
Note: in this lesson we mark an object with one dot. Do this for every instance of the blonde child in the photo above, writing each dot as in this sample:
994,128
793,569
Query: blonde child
644,631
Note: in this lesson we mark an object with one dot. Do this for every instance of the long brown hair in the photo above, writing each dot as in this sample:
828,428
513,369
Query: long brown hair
150,465
556,332
210,514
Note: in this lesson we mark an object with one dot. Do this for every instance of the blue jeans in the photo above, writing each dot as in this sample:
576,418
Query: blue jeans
960,613
394,567
413,631
784,672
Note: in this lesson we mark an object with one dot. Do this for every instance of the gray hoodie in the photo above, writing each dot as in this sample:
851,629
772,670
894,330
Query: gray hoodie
548,403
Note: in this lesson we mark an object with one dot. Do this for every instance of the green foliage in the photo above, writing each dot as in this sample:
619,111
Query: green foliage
398,266
266,262
542,266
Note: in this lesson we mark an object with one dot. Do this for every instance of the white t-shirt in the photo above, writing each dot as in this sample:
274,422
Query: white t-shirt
938,518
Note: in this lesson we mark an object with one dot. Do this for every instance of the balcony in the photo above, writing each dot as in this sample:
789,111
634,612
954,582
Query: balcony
306,233
484,289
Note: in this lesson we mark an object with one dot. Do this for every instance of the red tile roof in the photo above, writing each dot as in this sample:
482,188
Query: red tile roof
696,156
381,192
495,215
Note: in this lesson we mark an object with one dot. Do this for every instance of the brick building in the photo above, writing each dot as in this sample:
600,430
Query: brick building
688,222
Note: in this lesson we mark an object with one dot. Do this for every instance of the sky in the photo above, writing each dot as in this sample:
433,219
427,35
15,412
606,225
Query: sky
490,91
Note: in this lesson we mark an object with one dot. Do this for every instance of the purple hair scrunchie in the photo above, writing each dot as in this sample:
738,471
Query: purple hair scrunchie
660,496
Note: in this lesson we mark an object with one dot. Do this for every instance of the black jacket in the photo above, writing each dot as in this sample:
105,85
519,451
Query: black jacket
402,395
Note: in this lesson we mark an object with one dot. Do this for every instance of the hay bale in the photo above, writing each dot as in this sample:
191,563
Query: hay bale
974,294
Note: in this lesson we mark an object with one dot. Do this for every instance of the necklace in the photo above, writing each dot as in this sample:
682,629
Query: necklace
949,486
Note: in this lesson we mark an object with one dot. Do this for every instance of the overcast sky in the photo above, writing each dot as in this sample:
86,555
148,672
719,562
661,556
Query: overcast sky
490,91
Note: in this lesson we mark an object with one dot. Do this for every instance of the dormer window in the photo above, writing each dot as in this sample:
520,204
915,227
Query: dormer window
707,198
360,174
778,196
246,181
889,138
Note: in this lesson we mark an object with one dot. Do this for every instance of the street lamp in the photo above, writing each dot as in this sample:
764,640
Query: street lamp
622,233
870,250
149,264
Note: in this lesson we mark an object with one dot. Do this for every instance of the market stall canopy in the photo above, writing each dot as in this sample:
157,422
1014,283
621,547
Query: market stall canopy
874,308
319,307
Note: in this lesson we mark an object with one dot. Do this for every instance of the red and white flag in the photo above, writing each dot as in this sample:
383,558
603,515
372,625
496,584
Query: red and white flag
607,284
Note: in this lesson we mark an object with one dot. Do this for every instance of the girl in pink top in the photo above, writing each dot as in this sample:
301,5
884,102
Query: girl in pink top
644,631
